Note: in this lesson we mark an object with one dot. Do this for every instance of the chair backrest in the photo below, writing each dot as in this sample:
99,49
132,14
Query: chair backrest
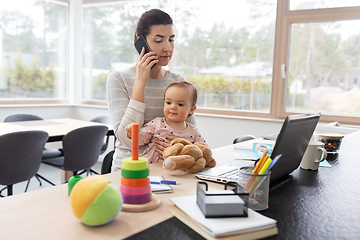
243,138
101,119
107,162
82,147
21,117
106,120
20,155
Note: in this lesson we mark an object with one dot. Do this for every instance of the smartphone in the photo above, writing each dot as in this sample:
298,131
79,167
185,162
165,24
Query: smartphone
140,43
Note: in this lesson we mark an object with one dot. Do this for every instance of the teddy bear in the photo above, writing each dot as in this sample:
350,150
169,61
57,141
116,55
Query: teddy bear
183,155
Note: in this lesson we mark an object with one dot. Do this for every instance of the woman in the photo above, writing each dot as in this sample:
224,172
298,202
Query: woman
136,94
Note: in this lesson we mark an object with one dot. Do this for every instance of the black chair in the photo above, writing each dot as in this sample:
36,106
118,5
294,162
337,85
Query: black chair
243,138
81,149
18,117
47,152
107,162
20,157
106,120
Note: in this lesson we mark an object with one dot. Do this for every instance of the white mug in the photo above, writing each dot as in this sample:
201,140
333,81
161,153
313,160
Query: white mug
314,154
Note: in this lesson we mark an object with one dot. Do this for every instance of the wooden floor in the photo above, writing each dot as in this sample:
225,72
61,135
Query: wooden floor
48,172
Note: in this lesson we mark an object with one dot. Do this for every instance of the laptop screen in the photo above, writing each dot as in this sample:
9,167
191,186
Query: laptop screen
292,142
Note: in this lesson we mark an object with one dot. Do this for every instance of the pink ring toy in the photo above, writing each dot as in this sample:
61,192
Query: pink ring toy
135,190
137,199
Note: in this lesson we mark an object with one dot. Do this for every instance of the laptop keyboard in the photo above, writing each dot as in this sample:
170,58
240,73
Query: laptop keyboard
232,175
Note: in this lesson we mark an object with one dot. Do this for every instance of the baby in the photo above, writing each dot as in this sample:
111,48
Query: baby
179,103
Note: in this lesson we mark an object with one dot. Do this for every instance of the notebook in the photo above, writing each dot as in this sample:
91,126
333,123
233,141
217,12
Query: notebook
291,142
159,188
255,223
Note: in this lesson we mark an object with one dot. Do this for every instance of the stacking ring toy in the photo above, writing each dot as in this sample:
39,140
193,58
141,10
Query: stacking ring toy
135,174
135,190
140,182
137,199
130,164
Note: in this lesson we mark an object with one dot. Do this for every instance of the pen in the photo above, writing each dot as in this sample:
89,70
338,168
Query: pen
273,163
167,182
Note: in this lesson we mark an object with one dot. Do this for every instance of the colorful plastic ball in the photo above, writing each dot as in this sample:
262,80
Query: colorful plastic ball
259,196
95,200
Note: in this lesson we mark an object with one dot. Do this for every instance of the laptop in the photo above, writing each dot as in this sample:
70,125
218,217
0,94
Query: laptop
291,142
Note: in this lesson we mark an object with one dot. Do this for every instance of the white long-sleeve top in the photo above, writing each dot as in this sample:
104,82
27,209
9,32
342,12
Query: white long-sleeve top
124,111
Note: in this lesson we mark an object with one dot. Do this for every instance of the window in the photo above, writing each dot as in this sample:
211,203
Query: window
108,37
269,59
320,52
324,59
33,50
232,64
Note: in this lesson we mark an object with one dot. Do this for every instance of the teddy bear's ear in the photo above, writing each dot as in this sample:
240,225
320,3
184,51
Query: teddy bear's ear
180,140
173,150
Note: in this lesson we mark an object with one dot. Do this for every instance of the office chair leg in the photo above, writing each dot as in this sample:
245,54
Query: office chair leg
45,179
38,180
27,185
93,171
10,190
1,191
80,173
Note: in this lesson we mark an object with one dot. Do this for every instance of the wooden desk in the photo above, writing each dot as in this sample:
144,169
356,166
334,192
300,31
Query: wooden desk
46,213
308,205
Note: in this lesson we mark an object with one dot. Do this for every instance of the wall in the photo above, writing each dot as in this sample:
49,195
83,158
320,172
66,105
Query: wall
46,112
221,131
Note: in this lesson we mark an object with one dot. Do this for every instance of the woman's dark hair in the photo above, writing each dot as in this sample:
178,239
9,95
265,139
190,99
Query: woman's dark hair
149,19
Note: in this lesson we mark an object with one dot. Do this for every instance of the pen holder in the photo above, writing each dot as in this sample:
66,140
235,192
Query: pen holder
258,187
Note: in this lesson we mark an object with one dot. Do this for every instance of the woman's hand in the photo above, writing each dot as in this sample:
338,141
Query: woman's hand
143,67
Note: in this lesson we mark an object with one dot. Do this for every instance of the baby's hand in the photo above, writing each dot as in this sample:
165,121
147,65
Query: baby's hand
128,130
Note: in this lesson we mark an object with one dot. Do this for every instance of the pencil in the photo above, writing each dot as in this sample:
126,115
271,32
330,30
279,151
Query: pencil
262,171
256,170
260,163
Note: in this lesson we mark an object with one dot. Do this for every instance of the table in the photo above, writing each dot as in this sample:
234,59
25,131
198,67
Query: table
307,205
56,128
